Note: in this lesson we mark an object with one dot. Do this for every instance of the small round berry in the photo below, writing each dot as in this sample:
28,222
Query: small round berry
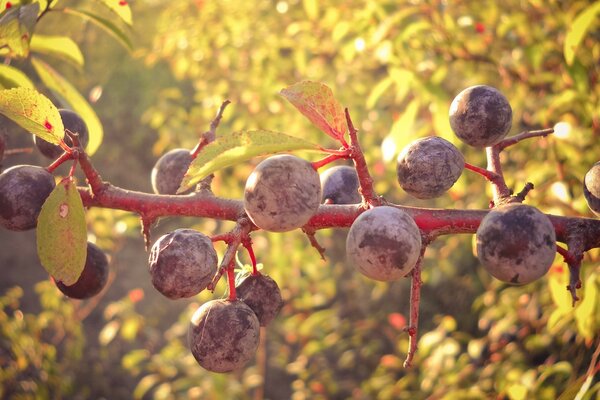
384,243
263,296
282,193
71,122
223,335
182,263
93,278
23,191
428,167
516,243
480,116
340,185
591,188
169,170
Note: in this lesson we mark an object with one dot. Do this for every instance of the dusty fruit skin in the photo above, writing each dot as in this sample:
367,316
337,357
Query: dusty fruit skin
384,243
93,277
516,243
340,185
23,191
169,170
282,193
72,122
480,116
591,188
182,263
428,167
262,295
223,335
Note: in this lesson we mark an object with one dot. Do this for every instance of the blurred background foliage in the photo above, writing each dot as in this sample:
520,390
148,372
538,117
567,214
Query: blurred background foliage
396,65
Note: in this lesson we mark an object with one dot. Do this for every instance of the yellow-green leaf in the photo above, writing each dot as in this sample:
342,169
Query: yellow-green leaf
316,102
577,30
62,47
587,312
32,111
103,23
61,233
236,147
11,77
119,7
63,89
16,28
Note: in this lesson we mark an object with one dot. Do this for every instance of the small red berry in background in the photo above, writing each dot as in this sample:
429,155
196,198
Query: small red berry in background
480,27
122,3
8,5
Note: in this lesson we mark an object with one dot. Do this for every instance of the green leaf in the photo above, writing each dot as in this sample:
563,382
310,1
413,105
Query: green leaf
63,89
60,46
119,7
16,28
316,102
103,23
577,31
61,233
32,111
587,312
236,147
11,77
378,91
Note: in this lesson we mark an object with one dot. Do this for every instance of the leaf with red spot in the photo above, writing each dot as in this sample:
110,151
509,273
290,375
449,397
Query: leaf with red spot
316,102
61,233
119,7
33,111
16,27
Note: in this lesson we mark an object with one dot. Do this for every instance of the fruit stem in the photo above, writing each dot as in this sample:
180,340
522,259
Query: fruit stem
247,243
415,299
231,281
489,175
362,170
59,161
330,158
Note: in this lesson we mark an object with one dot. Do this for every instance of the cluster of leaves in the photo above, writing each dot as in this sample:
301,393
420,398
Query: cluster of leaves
396,65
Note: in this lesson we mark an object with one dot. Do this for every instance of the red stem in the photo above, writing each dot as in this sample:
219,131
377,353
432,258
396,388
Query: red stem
489,175
231,282
330,158
59,161
247,243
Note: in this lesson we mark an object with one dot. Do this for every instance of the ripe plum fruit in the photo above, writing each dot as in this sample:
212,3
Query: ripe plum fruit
340,185
263,296
93,277
169,170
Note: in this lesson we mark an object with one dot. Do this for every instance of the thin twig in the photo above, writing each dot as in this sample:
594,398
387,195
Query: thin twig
310,233
209,136
415,299
522,136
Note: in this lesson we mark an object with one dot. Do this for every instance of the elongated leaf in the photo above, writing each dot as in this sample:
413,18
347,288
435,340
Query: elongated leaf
103,23
119,7
62,47
577,30
237,147
10,77
32,111
16,27
61,233
63,89
316,102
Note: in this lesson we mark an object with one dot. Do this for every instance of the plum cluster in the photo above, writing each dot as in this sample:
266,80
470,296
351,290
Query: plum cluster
25,188
516,243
